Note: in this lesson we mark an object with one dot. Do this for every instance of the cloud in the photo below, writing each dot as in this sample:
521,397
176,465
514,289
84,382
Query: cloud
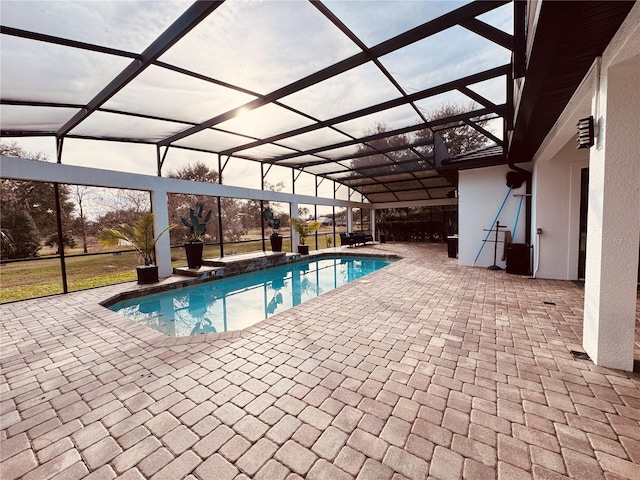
125,25
375,21
261,46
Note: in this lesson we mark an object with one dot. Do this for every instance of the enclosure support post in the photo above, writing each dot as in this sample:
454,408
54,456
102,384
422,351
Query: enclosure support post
264,245
372,222
220,234
63,266
160,209
293,213
335,190
361,220
161,159
56,194
315,211
293,181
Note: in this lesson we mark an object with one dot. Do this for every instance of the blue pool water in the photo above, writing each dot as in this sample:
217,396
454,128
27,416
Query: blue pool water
238,302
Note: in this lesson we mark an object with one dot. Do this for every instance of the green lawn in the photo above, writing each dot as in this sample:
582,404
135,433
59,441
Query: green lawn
37,278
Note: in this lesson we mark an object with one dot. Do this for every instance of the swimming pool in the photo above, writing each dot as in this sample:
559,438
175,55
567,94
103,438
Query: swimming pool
238,302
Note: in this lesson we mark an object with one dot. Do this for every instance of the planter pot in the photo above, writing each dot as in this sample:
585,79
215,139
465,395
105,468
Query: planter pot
147,274
383,238
303,249
194,254
276,243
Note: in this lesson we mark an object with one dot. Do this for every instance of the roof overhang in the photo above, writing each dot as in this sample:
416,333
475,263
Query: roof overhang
568,36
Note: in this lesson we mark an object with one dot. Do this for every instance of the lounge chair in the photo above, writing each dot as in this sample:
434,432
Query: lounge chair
363,238
346,240
357,238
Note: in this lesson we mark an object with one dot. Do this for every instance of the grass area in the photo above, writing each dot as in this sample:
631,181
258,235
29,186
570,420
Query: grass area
37,278
22,280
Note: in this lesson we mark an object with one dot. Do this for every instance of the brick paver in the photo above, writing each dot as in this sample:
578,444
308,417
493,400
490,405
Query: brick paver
423,370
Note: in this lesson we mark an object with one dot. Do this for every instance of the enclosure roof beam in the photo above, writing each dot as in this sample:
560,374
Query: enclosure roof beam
409,37
183,25
429,92
391,133
489,32
41,37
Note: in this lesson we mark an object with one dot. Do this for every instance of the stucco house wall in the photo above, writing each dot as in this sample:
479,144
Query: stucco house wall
556,212
481,192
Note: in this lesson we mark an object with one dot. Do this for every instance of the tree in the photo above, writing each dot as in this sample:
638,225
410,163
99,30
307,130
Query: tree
120,205
304,213
67,240
115,217
457,136
80,192
28,208
232,219
238,216
6,243
116,206
251,212
36,198
20,227
198,172
378,163
179,204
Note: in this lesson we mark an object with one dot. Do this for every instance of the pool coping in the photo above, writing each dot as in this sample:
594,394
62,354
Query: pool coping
171,283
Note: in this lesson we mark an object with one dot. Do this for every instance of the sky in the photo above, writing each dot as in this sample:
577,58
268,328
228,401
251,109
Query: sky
258,45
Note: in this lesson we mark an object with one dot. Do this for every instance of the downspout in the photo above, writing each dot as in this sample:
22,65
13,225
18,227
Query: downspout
527,205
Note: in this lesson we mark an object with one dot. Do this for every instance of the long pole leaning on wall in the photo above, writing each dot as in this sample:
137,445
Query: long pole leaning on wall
56,193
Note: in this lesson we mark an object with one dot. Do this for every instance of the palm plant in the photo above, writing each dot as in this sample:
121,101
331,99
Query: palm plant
304,229
6,242
138,235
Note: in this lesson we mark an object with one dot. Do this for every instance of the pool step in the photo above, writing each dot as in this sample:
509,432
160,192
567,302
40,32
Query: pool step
236,264
202,272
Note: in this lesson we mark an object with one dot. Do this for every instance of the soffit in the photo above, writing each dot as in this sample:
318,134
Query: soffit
568,38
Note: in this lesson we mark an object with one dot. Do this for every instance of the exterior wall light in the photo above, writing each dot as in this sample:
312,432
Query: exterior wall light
585,137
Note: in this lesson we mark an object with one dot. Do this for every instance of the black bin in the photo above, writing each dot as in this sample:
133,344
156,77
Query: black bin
519,258
452,246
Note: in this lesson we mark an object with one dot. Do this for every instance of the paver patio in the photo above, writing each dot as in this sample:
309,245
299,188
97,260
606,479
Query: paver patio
421,370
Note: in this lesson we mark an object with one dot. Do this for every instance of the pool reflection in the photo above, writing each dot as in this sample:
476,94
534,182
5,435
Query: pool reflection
238,302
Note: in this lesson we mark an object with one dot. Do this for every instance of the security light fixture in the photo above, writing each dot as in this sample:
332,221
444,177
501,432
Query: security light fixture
585,133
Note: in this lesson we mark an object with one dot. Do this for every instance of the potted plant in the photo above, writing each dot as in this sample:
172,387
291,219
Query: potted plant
139,236
304,229
274,224
197,228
